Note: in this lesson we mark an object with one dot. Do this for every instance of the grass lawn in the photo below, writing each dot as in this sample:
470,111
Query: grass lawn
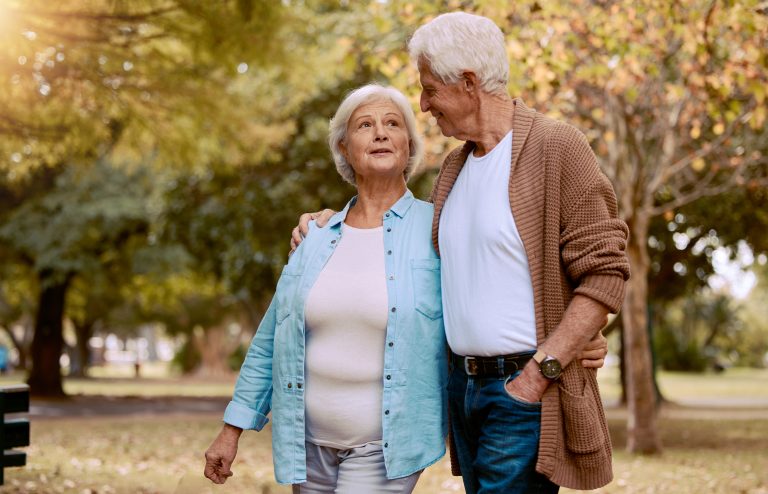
712,448
164,455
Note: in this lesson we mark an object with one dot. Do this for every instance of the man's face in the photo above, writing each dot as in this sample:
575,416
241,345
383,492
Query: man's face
450,104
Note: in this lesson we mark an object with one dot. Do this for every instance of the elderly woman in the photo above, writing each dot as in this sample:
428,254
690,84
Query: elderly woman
351,356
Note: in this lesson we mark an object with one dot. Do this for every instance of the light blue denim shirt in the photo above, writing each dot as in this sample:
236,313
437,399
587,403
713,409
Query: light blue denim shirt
413,414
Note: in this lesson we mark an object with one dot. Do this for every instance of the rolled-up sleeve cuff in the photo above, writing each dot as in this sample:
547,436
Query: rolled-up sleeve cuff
244,417
606,289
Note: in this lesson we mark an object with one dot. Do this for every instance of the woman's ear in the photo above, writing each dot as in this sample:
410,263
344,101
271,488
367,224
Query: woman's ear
343,150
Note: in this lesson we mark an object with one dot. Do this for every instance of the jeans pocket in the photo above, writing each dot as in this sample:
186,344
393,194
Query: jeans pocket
532,405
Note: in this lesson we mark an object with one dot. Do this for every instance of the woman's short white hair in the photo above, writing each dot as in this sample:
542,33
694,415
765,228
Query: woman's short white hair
363,95
457,42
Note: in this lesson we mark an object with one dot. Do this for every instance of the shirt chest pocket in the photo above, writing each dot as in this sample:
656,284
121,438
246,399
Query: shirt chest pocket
427,295
286,291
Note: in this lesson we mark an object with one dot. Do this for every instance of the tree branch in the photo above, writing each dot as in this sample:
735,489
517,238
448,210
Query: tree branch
703,151
736,179
101,17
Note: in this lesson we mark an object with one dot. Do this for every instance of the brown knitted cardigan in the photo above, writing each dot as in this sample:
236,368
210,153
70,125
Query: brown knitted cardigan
566,212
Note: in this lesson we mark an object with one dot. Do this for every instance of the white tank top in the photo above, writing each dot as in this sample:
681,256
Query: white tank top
487,289
346,323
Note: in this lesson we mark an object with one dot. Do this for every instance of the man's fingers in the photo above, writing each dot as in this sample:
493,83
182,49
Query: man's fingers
296,238
303,227
599,342
324,216
593,363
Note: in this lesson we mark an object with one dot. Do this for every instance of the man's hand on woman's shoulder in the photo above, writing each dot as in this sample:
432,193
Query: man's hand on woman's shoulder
321,219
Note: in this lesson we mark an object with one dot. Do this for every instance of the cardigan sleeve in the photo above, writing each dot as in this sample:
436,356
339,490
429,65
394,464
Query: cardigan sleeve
592,237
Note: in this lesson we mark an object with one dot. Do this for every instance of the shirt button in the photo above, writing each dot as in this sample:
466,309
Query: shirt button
333,241
386,445
389,252
389,377
290,385
389,229
391,277
387,215
394,309
386,412
391,344
298,385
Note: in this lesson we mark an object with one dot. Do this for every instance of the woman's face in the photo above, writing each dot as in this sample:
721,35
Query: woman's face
376,144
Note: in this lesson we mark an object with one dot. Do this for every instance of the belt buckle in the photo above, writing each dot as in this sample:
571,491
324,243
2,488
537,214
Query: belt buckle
514,366
470,366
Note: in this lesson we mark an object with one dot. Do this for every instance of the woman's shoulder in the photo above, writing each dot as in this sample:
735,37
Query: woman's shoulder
424,206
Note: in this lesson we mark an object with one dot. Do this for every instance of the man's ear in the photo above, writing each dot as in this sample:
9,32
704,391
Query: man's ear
470,81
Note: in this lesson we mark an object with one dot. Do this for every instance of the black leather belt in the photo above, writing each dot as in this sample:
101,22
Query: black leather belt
500,366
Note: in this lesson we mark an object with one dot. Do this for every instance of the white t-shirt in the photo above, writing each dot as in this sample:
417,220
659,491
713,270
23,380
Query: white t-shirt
487,290
346,323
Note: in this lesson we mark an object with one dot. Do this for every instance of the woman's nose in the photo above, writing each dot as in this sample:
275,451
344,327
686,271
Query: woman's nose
380,134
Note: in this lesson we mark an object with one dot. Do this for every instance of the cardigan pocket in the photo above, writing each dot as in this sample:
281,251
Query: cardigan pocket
427,296
584,433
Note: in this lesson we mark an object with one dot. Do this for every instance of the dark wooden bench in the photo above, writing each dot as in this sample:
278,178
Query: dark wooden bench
13,432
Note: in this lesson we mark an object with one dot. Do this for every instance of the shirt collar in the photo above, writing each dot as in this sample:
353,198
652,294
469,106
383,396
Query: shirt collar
400,208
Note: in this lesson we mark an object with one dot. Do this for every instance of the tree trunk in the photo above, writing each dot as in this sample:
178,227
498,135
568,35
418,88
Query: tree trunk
48,341
82,348
214,346
642,432
20,344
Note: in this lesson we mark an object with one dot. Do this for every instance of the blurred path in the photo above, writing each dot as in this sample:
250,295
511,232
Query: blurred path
101,406
105,406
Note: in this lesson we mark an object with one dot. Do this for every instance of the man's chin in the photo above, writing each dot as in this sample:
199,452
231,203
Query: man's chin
447,132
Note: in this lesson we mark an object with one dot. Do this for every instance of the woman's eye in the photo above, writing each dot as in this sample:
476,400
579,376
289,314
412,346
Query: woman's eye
392,123
365,124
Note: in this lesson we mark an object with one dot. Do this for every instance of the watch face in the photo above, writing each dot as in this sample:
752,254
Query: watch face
551,368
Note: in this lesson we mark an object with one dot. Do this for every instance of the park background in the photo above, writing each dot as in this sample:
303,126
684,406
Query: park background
154,155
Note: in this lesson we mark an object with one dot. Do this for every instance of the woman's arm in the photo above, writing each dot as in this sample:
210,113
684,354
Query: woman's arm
221,453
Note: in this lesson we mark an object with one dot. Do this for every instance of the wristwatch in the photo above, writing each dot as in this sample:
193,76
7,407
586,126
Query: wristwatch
548,365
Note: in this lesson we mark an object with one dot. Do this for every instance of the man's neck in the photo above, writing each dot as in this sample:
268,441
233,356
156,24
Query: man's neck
495,117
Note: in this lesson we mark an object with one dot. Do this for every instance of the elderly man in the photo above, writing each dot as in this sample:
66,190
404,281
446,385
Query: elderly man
533,260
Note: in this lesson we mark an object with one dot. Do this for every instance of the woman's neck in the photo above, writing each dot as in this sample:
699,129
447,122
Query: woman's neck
373,200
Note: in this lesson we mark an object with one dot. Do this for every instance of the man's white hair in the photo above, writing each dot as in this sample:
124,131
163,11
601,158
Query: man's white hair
363,95
457,42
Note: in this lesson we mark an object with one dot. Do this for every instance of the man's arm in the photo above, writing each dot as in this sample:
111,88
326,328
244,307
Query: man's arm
592,249
583,318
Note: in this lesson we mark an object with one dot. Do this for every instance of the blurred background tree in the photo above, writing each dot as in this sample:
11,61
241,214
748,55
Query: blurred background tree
156,153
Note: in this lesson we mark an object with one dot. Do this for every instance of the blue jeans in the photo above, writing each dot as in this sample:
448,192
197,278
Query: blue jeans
496,436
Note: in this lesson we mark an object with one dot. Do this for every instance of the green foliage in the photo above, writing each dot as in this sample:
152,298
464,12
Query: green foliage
72,229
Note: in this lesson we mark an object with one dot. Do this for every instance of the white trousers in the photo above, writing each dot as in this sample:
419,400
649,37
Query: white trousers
351,471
